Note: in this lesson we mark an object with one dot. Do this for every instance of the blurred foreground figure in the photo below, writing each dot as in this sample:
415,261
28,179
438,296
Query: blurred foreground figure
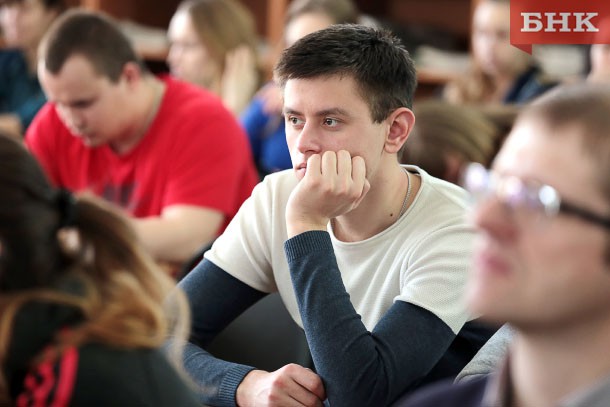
542,258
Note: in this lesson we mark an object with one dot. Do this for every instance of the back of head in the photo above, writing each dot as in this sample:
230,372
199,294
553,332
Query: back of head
339,11
222,25
29,218
446,136
33,215
586,107
375,59
92,35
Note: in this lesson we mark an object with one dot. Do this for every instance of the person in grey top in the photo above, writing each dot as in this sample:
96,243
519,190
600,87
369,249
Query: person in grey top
542,258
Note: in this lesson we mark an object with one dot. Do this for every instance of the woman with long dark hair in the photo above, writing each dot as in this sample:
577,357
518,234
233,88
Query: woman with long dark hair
84,309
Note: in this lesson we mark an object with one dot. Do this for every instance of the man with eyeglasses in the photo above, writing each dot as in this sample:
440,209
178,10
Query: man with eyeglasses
542,258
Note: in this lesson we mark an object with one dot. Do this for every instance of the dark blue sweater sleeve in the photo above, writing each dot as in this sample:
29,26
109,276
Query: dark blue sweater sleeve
358,367
216,298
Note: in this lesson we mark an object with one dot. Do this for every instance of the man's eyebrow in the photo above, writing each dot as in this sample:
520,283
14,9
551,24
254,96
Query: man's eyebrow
288,110
334,111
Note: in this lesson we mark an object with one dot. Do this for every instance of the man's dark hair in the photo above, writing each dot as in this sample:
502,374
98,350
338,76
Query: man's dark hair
375,58
91,35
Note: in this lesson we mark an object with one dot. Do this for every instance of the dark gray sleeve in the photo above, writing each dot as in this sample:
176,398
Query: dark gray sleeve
358,367
489,356
216,298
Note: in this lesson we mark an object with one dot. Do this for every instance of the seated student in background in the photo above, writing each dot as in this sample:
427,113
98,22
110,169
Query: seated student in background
446,137
213,44
500,73
84,309
263,118
369,257
541,260
22,25
600,63
167,152
599,54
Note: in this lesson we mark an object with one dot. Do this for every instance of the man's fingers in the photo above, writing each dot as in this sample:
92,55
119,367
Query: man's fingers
344,163
359,171
329,163
311,387
314,165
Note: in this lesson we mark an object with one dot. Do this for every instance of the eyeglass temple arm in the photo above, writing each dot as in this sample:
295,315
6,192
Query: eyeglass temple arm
585,215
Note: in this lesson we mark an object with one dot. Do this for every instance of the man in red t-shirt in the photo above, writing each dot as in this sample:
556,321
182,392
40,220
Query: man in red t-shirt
168,153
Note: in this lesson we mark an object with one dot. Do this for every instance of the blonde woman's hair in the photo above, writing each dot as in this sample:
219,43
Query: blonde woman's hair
475,86
339,11
442,129
222,26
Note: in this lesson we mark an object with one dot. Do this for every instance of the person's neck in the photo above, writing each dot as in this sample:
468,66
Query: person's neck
376,212
147,100
547,366
215,86
502,84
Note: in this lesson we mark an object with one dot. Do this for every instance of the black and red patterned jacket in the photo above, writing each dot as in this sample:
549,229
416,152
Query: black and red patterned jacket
90,375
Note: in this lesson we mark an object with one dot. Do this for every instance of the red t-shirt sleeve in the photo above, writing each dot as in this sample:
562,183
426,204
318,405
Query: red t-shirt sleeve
39,139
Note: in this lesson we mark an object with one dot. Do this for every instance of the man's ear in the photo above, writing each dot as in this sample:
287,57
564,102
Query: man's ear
131,73
401,123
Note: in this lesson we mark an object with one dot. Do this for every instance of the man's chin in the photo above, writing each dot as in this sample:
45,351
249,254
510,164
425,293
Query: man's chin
89,140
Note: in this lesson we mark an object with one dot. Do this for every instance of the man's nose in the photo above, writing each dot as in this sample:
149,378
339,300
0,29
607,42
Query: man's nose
493,217
308,140
72,117
173,54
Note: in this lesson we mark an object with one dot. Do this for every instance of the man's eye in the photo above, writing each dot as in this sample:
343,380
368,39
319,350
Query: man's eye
331,122
81,105
295,121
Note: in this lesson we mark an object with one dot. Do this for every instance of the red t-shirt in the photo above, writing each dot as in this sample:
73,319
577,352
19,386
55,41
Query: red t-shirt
195,153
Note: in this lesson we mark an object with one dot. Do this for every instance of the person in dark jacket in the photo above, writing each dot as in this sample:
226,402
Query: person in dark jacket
84,310
23,24
542,259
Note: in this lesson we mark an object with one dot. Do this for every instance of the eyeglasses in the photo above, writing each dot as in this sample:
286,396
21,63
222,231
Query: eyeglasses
525,198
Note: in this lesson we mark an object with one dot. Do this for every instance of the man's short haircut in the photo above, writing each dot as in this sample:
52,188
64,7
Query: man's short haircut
587,108
374,58
91,35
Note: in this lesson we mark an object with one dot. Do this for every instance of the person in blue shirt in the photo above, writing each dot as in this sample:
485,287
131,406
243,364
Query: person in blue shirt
23,23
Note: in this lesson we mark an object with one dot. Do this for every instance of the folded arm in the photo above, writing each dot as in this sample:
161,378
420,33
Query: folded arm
11,125
216,299
359,367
